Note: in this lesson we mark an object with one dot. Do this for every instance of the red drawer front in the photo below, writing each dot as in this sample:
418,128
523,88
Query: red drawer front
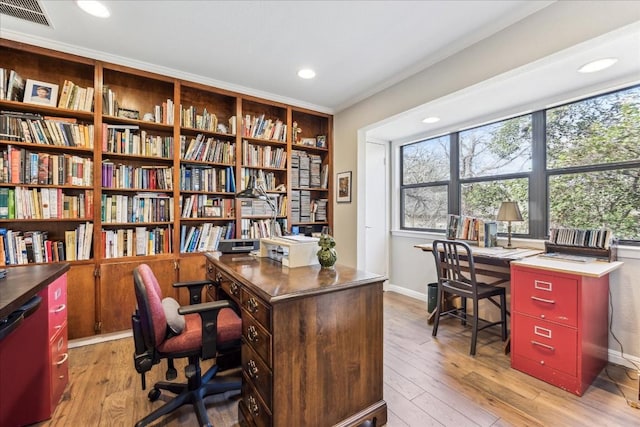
545,296
549,344
59,366
57,305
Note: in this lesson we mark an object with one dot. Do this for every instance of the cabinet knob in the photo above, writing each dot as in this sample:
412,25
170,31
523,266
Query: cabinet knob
252,305
252,369
252,334
542,316
253,406
542,362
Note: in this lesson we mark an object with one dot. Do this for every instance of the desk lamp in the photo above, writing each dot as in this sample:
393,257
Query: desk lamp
509,211
256,191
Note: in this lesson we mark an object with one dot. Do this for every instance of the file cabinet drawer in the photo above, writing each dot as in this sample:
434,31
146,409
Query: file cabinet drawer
548,344
59,365
545,296
57,305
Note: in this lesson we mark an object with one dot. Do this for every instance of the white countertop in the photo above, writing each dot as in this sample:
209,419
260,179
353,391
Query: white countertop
591,268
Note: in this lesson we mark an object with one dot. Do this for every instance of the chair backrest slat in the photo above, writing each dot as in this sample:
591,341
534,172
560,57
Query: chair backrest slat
448,254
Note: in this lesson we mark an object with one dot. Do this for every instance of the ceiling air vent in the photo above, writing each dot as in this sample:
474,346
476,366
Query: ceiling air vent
29,10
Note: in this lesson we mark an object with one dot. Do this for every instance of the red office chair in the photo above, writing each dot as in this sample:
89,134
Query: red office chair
210,330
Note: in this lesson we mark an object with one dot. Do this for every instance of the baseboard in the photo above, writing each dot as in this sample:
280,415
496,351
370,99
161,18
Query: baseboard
406,292
80,342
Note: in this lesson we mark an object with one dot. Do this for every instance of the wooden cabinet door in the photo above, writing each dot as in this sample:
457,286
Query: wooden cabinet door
191,267
81,299
117,296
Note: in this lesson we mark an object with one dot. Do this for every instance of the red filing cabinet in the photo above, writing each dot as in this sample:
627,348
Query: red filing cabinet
559,325
34,361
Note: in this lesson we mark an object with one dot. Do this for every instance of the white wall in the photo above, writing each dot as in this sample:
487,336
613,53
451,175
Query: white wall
555,28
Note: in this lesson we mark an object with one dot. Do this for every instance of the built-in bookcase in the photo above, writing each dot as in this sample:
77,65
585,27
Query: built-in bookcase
140,167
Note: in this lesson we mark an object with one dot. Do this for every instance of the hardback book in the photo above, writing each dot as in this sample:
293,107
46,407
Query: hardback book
490,234
15,87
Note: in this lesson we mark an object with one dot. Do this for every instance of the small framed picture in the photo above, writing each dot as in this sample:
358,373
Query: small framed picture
321,141
343,189
309,142
213,211
36,92
127,113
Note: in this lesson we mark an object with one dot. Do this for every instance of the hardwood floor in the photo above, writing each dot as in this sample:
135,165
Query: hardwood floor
427,382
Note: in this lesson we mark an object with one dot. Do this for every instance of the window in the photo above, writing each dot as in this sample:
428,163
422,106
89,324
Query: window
577,164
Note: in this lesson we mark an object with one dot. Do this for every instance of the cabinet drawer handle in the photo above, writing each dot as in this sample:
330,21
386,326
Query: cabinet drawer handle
65,356
548,301
209,268
252,305
253,406
252,334
252,369
235,289
60,308
548,347
218,277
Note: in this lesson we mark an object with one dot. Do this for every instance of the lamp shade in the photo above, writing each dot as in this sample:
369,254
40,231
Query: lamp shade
509,211
251,192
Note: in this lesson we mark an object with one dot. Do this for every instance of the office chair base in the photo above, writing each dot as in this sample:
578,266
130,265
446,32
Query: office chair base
186,393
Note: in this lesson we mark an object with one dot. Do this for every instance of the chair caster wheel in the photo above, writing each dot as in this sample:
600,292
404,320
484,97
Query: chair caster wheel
154,394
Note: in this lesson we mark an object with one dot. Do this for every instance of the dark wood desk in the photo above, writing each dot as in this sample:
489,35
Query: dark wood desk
312,342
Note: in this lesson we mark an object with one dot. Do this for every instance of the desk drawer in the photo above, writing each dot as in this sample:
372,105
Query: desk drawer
258,309
253,407
59,366
547,343
545,296
57,305
255,336
258,373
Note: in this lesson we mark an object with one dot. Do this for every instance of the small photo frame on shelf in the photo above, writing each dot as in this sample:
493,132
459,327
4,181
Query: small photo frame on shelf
213,211
309,142
127,113
343,189
43,93
321,141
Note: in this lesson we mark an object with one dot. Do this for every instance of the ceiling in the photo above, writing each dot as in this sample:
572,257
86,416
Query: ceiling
357,48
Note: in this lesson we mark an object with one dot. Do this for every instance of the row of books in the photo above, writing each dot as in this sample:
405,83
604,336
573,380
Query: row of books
74,97
257,207
207,149
263,156
204,237
26,247
267,180
11,85
44,203
128,139
142,207
261,128
189,118
120,175
204,178
589,238
47,130
474,229
140,241
204,206
259,228
21,166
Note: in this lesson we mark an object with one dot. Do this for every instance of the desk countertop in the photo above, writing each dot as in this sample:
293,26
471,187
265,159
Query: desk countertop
23,282
593,268
497,252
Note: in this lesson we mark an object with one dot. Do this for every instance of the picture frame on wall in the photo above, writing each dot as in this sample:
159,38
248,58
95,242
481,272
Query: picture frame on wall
43,93
343,187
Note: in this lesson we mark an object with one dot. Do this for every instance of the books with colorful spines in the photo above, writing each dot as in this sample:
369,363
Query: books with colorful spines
64,94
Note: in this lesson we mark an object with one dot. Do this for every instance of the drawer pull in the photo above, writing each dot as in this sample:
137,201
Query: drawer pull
253,406
209,268
548,347
252,334
65,356
543,332
547,301
235,289
60,308
252,369
543,286
252,305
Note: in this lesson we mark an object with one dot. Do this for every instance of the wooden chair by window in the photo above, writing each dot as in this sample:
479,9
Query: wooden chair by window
451,280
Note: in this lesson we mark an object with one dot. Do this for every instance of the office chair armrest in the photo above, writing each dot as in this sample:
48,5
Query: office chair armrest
208,312
195,289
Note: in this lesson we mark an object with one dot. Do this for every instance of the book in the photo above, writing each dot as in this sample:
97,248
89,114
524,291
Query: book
490,234
15,87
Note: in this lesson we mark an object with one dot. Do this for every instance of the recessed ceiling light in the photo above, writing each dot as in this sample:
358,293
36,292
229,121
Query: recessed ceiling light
94,8
597,65
431,120
306,73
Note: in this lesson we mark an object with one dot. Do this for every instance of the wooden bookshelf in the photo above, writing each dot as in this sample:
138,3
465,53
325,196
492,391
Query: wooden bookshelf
142,122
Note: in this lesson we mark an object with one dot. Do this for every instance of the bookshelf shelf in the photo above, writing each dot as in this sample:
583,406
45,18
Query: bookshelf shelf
168,115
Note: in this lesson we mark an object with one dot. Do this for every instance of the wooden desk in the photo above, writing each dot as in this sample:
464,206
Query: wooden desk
312,342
